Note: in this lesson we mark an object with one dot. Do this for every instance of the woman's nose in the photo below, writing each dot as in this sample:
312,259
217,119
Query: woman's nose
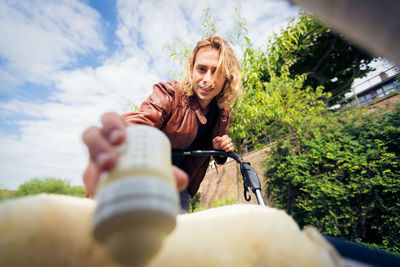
207,76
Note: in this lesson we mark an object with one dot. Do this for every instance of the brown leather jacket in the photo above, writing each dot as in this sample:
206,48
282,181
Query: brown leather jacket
179,117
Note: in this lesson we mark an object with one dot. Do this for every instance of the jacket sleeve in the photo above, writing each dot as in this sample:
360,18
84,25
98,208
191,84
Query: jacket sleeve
156,110
217,159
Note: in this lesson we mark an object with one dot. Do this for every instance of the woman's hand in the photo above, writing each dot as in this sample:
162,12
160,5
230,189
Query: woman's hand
101,143
223,143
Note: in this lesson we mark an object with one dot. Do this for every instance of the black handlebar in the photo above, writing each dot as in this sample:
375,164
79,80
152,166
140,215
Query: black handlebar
220,153
250,177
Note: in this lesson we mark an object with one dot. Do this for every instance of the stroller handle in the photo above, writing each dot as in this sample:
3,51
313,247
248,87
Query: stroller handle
200,153
250,177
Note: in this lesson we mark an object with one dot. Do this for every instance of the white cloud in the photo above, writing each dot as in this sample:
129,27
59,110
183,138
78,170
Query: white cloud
50,143
146,26
266,17
105,86
48,146
39,37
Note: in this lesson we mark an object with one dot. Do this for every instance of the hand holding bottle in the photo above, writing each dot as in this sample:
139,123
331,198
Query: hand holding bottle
101,143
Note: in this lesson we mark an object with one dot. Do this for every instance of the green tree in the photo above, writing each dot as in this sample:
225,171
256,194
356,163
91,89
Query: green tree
272,107
50,186
309,46
6,194
275,108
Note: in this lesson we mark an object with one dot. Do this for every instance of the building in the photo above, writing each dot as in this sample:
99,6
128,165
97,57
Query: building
386,86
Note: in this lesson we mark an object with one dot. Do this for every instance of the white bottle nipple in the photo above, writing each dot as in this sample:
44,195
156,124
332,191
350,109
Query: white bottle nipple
137,202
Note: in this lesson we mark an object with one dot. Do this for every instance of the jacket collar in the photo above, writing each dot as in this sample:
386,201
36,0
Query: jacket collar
195,106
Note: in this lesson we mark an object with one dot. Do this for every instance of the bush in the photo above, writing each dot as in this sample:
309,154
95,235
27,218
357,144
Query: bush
223,202
195,204
341,174
50,186
6,194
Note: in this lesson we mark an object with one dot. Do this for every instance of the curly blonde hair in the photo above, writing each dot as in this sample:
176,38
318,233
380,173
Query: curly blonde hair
228,66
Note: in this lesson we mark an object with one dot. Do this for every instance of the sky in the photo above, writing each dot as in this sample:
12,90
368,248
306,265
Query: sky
64,63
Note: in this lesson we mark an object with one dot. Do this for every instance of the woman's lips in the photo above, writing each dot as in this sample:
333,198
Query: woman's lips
206,89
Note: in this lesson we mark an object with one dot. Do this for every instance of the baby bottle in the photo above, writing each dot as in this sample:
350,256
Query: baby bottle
137,202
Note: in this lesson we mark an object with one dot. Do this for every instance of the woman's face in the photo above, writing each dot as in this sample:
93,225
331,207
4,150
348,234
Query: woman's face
204,68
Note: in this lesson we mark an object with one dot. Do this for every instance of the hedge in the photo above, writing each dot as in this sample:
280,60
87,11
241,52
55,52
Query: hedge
342,175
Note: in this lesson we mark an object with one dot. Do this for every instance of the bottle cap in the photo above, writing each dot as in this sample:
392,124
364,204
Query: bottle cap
132,201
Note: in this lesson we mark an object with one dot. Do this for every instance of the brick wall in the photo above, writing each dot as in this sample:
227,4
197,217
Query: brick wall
221,183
